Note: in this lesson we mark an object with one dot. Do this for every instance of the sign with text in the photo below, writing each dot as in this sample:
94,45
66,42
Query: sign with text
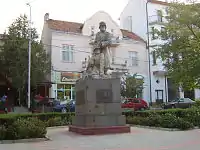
69,77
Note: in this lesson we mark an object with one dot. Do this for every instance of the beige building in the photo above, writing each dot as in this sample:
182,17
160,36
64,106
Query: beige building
68,43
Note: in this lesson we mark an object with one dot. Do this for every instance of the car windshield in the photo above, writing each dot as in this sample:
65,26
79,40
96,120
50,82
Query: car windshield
175,100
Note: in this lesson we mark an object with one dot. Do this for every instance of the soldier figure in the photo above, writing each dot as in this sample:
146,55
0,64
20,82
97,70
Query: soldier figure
100,60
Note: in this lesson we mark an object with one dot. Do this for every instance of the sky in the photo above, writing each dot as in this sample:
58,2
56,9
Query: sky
68,10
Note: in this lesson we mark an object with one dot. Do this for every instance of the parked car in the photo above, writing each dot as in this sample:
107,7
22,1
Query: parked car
65,107
179,103
39,105
134,104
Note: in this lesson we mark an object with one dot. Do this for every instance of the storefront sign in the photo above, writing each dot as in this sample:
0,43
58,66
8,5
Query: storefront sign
69,77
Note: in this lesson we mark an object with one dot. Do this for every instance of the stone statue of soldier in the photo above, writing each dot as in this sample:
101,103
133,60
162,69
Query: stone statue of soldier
99,63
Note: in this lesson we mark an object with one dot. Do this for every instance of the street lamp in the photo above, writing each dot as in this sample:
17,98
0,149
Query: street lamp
29,60
149,56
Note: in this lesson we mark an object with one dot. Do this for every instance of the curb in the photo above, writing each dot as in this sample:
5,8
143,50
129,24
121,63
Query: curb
57,127
25,140
156,128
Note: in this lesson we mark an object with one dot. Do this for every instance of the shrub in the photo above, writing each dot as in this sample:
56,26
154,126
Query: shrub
184,125
165,121
153,120
2,132
25,129
57,121
197,103
136,120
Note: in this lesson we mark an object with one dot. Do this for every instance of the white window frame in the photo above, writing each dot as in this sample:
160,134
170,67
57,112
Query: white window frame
133,58
160,15
69,50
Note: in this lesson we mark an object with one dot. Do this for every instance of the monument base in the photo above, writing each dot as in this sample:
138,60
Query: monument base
99,130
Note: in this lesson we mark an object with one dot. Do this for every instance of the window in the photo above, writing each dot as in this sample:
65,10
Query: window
154,57
167,10
163,30
136,101
160,15
68,53
133,58
153,33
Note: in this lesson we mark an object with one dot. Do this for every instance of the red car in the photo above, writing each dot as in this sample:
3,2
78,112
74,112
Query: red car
134,104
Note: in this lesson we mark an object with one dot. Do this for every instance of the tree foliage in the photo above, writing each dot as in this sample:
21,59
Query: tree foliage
131,86
14,55
181,49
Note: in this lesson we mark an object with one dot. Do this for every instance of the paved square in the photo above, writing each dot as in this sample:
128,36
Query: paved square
138,139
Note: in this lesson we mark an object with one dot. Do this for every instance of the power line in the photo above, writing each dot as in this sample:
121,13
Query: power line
83,51
90,52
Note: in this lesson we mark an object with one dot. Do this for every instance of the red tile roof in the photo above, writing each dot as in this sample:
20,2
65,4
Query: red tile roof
75,27
158,2
131,35
65,26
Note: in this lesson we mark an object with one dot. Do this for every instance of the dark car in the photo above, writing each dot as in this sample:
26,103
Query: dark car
179,103
68,107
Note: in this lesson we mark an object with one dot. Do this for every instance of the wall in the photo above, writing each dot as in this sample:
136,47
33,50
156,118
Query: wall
96,19
142,67
135,9
82,50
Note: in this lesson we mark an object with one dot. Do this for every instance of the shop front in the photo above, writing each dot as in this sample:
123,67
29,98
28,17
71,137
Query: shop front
65,85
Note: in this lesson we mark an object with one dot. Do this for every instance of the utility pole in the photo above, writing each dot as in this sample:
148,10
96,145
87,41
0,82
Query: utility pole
29,59
149,56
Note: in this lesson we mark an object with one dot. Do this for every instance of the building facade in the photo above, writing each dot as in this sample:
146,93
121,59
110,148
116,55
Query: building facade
152,16
69,45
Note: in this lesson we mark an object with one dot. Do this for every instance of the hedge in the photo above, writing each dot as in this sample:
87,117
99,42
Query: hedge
23,129
8,119
191,115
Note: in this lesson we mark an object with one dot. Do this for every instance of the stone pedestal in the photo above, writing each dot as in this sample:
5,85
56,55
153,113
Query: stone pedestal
98,108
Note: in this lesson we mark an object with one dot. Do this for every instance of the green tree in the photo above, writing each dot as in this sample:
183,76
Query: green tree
131,86
181,50
14,55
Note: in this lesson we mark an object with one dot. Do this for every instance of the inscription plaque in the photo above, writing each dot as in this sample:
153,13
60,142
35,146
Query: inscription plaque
104,96
80,97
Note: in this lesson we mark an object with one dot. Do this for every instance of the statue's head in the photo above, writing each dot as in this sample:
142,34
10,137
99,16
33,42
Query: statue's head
102,26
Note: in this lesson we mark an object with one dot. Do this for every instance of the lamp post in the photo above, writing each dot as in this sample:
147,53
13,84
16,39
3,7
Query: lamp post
29,60
149,56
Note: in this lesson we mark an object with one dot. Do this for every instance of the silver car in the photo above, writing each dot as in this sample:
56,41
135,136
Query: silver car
179,103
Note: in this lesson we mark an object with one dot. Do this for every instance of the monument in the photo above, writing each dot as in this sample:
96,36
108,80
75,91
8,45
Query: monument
98,103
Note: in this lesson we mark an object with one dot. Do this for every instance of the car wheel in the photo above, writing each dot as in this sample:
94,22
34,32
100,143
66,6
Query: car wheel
189,106
64,110
173,106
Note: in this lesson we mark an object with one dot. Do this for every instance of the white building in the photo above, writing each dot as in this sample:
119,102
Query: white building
69,43
141,17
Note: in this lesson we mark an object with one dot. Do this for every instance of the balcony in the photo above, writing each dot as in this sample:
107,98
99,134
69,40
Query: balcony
119,65
159,20
159,70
